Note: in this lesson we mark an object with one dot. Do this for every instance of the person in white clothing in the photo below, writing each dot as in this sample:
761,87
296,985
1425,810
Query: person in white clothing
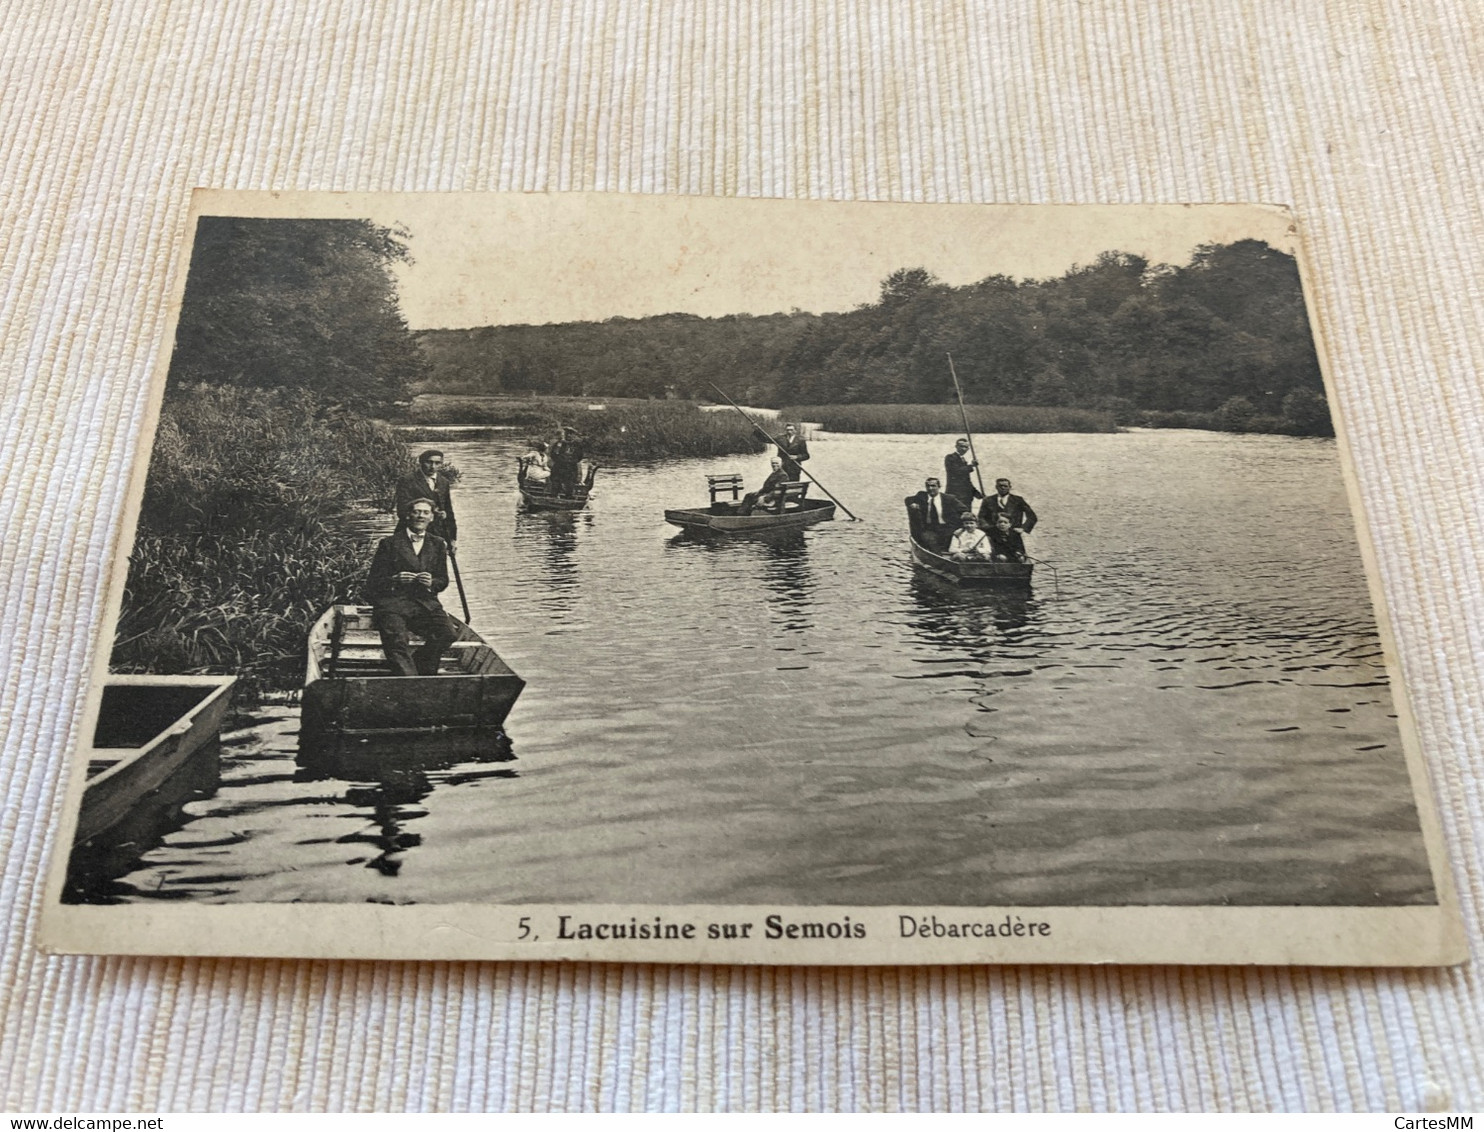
969,542
535,468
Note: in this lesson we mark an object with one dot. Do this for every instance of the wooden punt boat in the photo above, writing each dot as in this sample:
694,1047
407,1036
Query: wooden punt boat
971,573
540,497
151,730
349,689
724,516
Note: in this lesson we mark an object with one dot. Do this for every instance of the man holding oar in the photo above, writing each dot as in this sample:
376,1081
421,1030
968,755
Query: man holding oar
792,450
431,482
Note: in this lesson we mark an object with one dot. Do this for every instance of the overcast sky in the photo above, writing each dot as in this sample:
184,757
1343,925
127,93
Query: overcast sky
491,259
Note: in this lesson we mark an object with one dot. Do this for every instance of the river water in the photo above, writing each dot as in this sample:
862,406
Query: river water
1190,709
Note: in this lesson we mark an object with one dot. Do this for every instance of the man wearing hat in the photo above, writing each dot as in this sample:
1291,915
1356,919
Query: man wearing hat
566,462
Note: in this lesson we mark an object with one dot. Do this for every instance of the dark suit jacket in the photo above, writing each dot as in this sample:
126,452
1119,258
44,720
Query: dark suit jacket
793,455
951,507
415,486
1007,543
957,479
393,555
1019,511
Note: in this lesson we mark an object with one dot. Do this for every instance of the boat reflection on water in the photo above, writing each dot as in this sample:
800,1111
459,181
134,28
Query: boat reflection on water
951,616
546,546
94,867
388,778
783,555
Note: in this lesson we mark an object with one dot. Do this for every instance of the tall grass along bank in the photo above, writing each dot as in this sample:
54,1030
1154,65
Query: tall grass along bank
612,429
947,418
246,531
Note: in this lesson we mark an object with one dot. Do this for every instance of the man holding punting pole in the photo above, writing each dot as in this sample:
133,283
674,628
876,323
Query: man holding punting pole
958,468
793,450
431,482
408,573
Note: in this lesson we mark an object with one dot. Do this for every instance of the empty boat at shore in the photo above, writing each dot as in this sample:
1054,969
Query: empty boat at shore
151,732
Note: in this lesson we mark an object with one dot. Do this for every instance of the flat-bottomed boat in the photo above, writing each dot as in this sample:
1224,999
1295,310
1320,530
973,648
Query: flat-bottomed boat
349,690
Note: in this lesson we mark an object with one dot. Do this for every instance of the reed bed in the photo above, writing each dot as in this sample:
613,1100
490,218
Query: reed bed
631,430
947,418
248,531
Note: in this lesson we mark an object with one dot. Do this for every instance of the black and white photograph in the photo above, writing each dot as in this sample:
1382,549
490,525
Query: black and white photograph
691,580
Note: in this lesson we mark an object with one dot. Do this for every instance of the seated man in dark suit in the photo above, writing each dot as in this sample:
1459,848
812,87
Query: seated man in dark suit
1022,518
933,516
408,573
1005,542
765,496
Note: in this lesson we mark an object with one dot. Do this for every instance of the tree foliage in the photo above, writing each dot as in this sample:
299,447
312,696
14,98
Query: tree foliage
297,304
1118,334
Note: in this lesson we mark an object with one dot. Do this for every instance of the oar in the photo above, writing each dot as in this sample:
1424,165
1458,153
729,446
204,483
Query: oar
458,581
969,436
770,440
1055,578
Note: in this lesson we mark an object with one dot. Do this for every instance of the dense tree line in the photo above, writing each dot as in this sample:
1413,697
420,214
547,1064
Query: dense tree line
306,305
1224,338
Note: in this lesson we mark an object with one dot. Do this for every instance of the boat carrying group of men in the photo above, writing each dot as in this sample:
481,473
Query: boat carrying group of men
943,522
411,565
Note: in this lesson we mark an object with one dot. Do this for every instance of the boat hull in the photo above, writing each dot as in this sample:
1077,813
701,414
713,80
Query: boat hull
151,731
722,519
349,692
1003,574
544,501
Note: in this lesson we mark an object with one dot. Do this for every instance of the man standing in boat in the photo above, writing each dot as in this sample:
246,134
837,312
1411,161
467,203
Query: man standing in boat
793,450
432,483
958,471
566,462
408,573
933,515
1002,502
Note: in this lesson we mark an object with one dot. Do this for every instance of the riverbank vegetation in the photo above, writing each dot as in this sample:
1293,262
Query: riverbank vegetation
246,532
613,429
946,418
1119,335
260,474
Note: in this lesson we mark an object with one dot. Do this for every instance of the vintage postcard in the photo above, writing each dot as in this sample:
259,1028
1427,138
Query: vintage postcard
746,581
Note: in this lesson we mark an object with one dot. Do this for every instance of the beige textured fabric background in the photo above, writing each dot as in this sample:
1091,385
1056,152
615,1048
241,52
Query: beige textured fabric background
1367,117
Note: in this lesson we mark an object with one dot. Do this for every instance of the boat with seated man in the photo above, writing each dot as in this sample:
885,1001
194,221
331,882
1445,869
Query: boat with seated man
969,571
790,510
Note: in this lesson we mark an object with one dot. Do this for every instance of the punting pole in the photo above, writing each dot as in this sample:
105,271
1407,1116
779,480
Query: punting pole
459,581
969,436
770,440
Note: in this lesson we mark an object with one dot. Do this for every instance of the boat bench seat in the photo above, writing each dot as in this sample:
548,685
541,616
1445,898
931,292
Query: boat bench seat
792,492
464,657
730,482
